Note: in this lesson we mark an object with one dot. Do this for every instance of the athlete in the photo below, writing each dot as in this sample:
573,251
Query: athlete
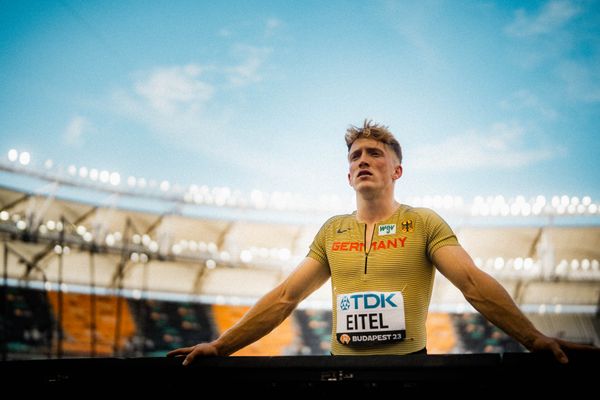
381,260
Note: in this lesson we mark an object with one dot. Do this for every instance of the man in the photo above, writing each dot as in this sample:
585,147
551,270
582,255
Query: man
381,261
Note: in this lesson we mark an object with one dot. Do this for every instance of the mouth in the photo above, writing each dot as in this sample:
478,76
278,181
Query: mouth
364,172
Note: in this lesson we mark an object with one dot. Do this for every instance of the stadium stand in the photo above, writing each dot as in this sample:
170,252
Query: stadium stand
151,328
80,337
315,328
26,323
441,336
479,336
165,325
279,342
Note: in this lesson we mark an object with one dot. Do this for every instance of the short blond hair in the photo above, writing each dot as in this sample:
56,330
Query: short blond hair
374,131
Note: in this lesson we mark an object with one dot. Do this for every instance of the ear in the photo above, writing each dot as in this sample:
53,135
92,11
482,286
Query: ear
349,180
397,172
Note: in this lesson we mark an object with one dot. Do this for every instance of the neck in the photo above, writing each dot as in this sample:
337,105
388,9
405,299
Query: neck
371,210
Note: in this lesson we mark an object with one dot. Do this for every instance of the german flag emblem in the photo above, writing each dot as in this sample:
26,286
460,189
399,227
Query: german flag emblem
407,226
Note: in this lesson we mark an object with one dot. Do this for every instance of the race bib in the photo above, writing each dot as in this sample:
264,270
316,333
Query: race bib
368,318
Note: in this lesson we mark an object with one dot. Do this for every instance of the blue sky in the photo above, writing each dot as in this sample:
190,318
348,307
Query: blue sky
486,97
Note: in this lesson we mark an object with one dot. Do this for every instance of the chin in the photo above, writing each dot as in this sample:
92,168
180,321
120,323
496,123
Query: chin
363,188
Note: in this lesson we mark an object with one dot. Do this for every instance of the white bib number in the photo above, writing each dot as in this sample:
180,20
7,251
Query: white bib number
367,318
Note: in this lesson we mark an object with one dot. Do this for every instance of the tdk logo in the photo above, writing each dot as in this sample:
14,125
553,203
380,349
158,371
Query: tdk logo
345,303
366,301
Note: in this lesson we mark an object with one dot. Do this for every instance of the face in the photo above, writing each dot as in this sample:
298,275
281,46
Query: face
373,165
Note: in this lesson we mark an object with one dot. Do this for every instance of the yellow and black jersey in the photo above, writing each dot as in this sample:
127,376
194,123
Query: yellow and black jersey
398,260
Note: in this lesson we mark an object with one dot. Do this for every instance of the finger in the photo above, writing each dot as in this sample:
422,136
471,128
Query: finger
578,347
174,353
180,352
189,359
560,355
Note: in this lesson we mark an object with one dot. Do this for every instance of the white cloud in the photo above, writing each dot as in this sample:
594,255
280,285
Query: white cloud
185,100
249,69
192,106
176,103
73,134
503,146
209,130
551,17
169,90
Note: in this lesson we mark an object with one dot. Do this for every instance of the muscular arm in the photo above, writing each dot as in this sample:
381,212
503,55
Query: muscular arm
270,311
493,302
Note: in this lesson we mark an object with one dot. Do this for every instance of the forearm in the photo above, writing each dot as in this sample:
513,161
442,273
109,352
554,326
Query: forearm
270,311
493,302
